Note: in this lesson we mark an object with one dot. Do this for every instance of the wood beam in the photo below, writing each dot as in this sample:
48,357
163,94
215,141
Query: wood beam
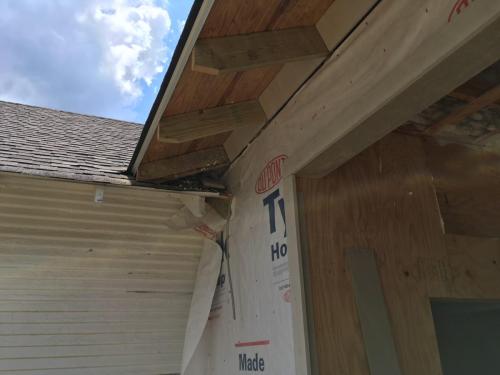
243,52
183,165
199,124
355,127
466,96
489,97
463,96
373,313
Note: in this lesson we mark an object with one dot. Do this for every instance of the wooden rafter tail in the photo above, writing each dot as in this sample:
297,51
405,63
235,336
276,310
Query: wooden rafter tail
183,165
200,124
489,97
249,51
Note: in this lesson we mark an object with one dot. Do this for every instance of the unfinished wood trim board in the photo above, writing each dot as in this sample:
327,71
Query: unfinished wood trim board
183,165
306,285
373,315
203,123
249,51
300,316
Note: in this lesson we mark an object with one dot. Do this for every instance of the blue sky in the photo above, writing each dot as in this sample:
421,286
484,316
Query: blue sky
99,57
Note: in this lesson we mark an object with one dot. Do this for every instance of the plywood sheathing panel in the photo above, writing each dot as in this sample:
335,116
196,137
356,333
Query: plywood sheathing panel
474,264
384,199
198,91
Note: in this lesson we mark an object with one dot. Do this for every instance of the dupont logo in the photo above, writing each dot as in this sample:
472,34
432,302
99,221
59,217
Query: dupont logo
270,175
458,7
287,296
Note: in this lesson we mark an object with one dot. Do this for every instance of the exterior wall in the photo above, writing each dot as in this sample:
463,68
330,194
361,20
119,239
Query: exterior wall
258,338
399,44
385,200
86,287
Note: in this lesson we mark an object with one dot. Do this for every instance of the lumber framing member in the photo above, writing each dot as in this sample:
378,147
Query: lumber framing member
184,165
199,124
486,99
243,52
360,104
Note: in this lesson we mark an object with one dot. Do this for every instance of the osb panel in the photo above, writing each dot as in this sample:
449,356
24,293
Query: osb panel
198,91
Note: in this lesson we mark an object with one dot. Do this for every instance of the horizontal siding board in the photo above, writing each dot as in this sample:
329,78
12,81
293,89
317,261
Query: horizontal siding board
83,295
113,195
105,361
47,272
8,180
83,217
53,199
159,338
169,304
86,351
155,369
181,262
91,230
55,317
92,288
84,208
157,254
109,237
91,224
42,241
87,328
55,284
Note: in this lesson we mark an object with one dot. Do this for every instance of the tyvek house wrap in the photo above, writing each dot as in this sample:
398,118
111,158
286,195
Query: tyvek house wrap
198,216
258,338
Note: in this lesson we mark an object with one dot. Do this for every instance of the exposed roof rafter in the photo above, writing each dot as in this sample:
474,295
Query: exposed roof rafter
489,97
183,165
203,123
249,51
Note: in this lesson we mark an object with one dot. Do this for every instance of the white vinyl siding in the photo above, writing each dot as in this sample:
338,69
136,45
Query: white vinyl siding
91,288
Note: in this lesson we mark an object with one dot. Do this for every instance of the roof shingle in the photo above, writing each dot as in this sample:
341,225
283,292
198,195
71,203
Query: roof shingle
51,143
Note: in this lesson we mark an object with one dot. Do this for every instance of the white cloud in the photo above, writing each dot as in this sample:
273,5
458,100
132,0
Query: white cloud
91,56
132,36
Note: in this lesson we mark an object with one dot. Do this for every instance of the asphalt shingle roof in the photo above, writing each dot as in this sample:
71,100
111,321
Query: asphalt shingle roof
51,143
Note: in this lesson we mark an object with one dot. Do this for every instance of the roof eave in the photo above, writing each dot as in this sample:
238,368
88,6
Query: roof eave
194,23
